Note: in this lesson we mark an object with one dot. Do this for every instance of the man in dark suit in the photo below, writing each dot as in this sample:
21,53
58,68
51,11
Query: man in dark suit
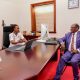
72,54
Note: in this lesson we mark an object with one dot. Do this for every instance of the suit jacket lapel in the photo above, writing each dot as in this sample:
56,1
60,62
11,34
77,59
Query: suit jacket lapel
77,38
70,37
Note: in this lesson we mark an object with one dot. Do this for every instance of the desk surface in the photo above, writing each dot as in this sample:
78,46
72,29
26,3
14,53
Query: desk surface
22,65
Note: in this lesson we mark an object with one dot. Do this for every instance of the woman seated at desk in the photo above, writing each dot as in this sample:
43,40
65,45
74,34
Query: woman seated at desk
16,38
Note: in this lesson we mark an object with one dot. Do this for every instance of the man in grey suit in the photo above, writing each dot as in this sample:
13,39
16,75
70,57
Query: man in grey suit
72,41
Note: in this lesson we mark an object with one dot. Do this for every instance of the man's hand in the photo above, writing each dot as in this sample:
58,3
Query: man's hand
62,47
20,41
74,51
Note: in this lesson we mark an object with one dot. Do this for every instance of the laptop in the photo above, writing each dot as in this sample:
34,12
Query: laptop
21,47
29,44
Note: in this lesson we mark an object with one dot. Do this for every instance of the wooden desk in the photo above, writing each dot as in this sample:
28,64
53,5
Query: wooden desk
23,65
28,37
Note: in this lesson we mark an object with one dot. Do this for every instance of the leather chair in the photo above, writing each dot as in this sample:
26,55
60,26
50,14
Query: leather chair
6,32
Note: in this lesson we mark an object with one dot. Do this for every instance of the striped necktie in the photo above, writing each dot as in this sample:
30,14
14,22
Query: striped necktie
72,43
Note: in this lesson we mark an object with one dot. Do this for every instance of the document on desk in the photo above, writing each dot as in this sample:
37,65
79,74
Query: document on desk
20,48
16,48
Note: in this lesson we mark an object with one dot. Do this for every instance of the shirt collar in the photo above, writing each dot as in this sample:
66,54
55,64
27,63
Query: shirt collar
15,34
75,33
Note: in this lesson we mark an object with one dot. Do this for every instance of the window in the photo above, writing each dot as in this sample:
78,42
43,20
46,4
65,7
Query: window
44,13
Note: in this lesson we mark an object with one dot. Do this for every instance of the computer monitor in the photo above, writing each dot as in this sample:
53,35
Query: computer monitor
44,32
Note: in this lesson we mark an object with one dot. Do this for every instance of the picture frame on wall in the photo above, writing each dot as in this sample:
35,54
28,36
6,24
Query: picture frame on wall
73,4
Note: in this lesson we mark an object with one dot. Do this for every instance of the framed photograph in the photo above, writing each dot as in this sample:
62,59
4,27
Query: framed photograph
73,4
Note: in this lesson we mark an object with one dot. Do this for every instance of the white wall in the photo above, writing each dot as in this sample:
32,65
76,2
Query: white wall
64,16
9,12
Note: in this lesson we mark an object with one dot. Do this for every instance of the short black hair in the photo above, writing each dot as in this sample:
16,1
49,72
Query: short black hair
76,25
13,26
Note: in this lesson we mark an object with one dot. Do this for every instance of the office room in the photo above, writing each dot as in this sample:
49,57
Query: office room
39,40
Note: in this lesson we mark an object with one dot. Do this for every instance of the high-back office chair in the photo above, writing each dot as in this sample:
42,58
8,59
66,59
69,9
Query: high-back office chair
6,32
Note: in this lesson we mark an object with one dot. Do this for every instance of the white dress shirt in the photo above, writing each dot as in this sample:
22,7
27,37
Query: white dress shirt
75,36
16,38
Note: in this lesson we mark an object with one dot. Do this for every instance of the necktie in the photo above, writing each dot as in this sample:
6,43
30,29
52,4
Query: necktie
72,43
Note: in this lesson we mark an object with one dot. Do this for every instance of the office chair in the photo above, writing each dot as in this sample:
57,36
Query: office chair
6,32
